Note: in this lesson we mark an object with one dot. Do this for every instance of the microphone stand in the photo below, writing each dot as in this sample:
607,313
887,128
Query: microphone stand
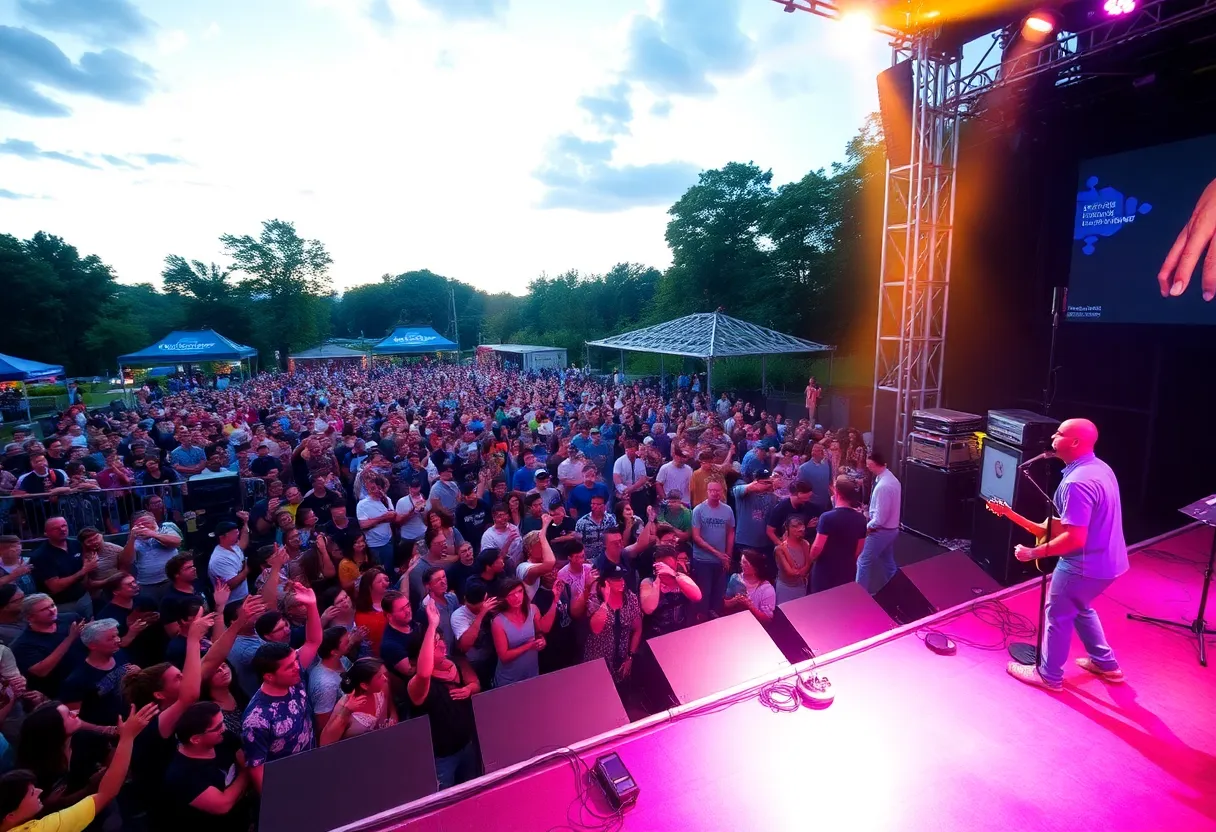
1021,652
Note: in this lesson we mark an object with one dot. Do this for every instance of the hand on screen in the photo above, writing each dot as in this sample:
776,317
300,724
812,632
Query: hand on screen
1196,235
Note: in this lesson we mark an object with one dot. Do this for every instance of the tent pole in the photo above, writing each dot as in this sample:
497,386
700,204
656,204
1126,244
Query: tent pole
709,380
622,363
29,418
662,372
831,359
764,375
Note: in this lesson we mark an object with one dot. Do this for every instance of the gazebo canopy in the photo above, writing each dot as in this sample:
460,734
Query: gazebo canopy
188,346
22,369
414,339
326,351
709,335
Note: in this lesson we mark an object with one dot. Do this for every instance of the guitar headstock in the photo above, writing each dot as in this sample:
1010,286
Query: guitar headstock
997,506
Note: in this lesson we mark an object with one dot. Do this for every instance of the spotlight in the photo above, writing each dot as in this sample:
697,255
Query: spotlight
1115,8
790,8
1039,26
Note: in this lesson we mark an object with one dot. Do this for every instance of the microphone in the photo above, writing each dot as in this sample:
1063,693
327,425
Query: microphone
1033,460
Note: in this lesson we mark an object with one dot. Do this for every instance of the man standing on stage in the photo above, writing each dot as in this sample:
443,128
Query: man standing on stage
1089,541
876,564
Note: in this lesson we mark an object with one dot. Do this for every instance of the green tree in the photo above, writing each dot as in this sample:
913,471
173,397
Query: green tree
208,297
291,275
718,259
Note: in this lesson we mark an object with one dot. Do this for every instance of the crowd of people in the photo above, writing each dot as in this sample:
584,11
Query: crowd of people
403,539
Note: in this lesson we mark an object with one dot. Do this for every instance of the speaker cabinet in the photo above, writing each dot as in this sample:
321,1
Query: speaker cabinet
825,621
930,586
299,792
937,502
505,740
689,664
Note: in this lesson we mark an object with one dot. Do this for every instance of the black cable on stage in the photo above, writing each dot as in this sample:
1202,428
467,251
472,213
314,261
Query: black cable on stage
996,614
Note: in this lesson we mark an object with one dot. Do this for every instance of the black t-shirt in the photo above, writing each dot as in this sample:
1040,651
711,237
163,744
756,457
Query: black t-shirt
472,523
263,465
52,562
31,647
784,510
320,505
344,537
394,647
837,563
556,530
99,692
187,778
451,719
458,576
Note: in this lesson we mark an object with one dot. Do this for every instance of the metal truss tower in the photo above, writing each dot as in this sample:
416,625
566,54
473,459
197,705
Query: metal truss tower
917,241
918,215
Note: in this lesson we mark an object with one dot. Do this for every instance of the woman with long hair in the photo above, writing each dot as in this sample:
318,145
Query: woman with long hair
45,748
441,542
518,633
366,705
231,701
352,564
368,613
614,615
793,557
515,505
750,589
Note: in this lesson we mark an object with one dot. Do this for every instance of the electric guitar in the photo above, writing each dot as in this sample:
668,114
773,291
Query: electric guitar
1002,509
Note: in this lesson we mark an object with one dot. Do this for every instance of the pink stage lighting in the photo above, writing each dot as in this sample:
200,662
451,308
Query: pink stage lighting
1114,8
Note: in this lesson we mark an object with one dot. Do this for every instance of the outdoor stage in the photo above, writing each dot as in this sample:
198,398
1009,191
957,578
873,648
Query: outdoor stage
920,741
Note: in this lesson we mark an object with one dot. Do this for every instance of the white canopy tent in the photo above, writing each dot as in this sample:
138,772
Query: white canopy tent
710,335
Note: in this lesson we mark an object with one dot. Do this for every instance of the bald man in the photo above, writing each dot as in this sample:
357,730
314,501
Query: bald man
1088,538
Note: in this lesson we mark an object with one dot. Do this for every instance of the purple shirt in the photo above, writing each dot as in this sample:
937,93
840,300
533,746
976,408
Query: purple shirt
1089,496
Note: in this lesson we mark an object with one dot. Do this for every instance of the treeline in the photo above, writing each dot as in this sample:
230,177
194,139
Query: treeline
800,258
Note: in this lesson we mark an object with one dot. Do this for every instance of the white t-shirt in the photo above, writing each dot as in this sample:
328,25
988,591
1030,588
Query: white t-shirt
678,478
576,580
521,572
226,564
366,510
509,542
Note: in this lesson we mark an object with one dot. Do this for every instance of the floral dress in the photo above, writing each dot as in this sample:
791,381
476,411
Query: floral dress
612,642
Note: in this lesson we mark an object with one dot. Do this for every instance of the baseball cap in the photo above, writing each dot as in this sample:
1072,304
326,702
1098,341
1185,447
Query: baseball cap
763,474
542,474
223,527
371,443
613,570
595,430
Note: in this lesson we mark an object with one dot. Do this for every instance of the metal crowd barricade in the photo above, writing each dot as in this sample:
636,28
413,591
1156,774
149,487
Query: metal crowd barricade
107,509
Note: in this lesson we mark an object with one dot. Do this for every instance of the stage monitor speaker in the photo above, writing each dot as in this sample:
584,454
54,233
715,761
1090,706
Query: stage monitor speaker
825,621
932,585
993,538
505,740
299,791
686,665
937,502
895,90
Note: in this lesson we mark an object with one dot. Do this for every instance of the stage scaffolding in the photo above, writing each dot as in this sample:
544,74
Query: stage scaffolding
918,212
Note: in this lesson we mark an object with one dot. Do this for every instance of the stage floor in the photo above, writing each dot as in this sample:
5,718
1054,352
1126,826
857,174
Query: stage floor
917,741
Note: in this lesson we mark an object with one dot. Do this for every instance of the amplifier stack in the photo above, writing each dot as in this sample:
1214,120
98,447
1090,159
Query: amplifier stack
940,472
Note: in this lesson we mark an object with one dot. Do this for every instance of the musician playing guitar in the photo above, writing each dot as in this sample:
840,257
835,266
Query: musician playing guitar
1092,554
1039,530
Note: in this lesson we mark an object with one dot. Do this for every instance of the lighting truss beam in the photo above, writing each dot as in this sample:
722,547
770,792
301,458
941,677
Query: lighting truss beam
1071,47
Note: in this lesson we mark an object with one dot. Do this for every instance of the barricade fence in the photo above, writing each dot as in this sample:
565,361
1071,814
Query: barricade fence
110,509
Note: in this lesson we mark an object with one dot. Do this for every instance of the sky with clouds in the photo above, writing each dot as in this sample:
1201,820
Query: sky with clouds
487,140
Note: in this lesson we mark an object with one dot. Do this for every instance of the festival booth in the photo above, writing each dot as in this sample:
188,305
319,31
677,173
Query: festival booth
332,355
188,348
526,357
21,371
710,335
415,340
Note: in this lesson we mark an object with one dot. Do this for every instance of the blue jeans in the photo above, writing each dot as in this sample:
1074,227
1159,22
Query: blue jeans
1068,606
382,556
457,768
876,565
711,579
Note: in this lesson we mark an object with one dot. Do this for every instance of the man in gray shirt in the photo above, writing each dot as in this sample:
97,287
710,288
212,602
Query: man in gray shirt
876,565
713,540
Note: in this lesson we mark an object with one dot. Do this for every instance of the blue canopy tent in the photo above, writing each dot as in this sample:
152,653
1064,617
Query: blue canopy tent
25,371
187,347
414,340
